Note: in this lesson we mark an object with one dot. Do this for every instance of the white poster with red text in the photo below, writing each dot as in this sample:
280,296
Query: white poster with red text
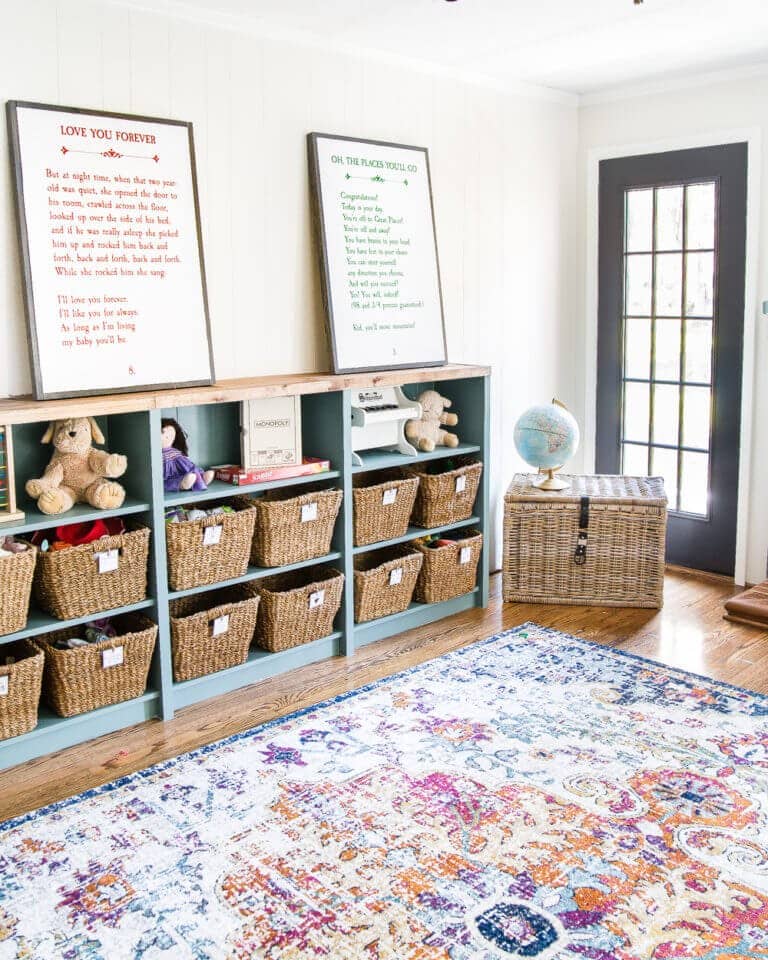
113,262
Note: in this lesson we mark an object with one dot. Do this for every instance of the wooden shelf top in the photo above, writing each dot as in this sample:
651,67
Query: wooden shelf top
28,410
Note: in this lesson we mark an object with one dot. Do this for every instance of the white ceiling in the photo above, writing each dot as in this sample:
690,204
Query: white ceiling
580,46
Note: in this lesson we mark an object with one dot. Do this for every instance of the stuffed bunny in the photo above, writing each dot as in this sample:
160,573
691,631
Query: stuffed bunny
427,433
77,472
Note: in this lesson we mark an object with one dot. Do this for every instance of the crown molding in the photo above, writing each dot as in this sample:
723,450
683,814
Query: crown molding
672,83
257,27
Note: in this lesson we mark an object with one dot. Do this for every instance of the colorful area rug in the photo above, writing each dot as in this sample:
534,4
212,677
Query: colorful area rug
533,795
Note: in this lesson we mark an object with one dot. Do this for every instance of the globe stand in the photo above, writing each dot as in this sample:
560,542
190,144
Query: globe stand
551,482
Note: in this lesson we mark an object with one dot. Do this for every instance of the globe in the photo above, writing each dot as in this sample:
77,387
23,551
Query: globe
546,437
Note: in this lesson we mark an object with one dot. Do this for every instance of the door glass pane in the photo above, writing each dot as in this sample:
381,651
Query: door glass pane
669,284
664,464
637,348
634,460
699,284
694,483
698,351
700,226
639,222
696,417
666,413
669,218
636,411
667,353
638,290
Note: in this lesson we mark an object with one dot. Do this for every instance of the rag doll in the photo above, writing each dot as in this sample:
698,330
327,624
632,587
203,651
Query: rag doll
179,472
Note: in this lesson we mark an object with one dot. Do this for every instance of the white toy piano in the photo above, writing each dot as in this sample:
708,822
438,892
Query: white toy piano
379,415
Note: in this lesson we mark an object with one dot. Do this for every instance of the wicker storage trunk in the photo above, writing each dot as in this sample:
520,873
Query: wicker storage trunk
20,682
196,557
90,677
68,583
600,542
16,574
296,607
211,631
385,581
383,504
293,526
449,571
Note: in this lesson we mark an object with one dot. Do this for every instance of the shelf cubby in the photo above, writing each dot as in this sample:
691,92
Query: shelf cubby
257,573
383,459
210,415
218,490
260,665
416,615
414,533
40,623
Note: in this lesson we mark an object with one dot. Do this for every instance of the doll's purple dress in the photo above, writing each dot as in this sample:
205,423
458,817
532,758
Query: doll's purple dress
176,466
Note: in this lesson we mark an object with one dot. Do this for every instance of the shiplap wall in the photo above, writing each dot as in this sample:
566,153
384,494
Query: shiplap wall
502,168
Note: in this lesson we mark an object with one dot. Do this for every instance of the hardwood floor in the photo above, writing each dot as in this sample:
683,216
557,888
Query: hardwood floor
689,633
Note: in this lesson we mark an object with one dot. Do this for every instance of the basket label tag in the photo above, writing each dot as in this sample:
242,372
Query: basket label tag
112,657
220,625
461,483
395,576
316,599
465,554
308,512
212,535
389,496
4,686
108,560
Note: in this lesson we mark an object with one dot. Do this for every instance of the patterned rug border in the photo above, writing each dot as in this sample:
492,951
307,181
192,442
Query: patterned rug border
114,785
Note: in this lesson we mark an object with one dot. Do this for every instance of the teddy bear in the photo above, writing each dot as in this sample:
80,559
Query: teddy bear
427,433
77,471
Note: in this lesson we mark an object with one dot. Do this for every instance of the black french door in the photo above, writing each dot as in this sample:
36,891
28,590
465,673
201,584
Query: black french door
670,333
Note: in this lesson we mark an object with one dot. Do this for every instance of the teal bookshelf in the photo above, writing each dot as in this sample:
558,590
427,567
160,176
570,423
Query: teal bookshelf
210,415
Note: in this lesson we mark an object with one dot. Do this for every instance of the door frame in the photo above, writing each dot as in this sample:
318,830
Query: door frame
752,137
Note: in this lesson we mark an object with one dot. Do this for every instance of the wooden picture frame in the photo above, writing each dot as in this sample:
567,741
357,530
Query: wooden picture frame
8,510
374,223
110,242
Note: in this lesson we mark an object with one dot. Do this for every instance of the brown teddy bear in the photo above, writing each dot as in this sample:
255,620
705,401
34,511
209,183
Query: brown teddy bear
427,433
77,472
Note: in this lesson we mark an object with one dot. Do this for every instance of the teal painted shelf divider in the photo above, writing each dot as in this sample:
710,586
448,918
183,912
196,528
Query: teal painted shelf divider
211,417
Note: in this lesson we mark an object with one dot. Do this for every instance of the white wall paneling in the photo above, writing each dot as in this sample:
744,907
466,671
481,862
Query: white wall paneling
502,188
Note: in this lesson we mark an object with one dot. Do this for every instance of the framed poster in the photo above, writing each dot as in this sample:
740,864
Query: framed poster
111,250
379,269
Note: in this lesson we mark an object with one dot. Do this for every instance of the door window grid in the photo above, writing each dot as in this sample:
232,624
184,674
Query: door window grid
660,413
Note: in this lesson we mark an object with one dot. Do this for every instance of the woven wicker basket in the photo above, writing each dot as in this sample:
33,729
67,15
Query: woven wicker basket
288,614
16,574
18,706
447,497
380,590
68,584
282,537
211,632
626,530
193,562
449,571
77,681
383,504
